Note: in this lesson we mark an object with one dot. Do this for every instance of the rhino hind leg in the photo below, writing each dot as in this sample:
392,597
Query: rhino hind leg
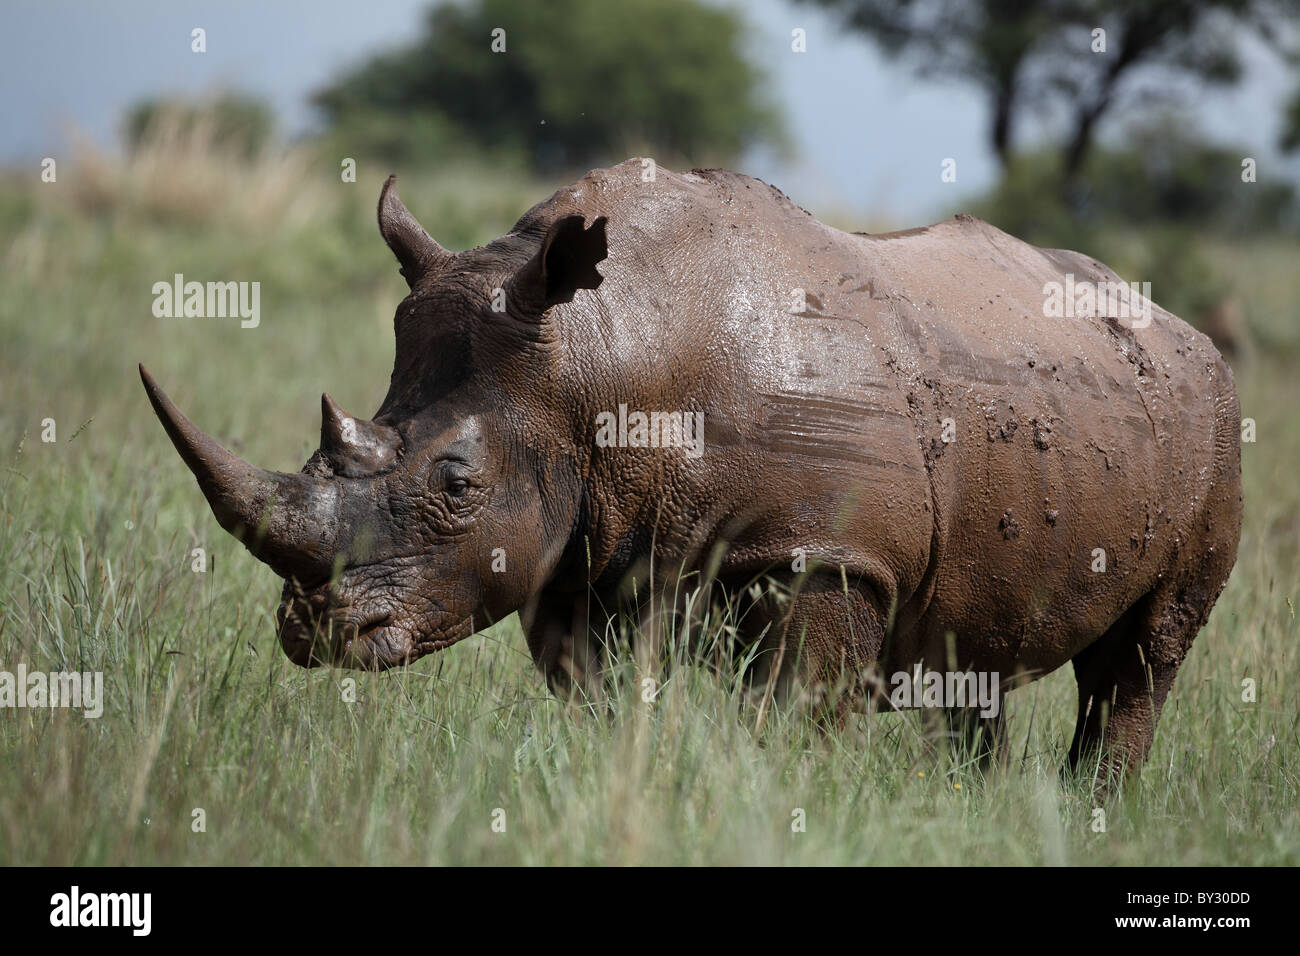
1122,688
1126,675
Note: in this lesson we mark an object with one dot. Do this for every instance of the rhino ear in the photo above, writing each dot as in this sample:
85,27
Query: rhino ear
565,263
414,248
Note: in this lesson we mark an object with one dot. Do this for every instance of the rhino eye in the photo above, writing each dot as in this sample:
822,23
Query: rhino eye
457,487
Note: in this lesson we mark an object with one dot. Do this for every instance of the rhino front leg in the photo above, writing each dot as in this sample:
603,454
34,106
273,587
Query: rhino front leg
820,644
980,740
566,645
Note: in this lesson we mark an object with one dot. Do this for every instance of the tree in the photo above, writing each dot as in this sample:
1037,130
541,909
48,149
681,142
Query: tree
1035,53
570,82
1290,140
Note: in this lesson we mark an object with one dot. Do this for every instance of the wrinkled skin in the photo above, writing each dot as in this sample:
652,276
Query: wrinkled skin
824,434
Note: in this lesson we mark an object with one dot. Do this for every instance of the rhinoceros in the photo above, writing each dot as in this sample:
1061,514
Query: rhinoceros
940,452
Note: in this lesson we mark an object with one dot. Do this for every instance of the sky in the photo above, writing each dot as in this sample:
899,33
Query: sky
869,135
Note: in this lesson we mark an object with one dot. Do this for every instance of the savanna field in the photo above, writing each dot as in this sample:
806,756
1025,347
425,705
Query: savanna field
202,711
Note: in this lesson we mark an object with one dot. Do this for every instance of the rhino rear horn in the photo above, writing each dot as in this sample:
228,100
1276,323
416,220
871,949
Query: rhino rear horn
414,248
287,521
355,447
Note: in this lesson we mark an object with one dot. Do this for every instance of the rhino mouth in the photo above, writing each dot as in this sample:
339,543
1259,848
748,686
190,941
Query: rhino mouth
343,638
314,631
378,645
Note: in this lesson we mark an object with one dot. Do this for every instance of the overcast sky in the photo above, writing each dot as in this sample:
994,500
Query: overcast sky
870,136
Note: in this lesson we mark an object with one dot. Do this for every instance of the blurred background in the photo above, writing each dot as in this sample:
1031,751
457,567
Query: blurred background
1146,133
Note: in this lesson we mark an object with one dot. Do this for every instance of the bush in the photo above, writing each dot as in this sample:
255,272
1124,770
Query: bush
235,123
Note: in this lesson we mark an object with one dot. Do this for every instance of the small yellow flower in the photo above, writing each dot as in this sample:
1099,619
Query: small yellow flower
920,773
956,786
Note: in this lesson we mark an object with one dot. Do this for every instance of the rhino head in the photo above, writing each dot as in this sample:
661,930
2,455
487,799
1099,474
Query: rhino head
408,532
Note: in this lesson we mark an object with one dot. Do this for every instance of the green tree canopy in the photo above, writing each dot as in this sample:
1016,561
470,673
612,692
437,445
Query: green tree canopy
1290,141
1045,53
580,82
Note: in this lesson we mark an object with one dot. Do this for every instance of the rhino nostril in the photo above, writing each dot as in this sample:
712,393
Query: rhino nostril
370,626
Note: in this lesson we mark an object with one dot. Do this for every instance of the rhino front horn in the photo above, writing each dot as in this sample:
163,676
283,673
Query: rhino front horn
287,521
415,249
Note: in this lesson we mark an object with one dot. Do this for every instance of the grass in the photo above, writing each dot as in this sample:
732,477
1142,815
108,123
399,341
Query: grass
203,711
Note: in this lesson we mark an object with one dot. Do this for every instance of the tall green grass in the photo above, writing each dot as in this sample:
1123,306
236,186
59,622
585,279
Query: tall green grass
204,712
